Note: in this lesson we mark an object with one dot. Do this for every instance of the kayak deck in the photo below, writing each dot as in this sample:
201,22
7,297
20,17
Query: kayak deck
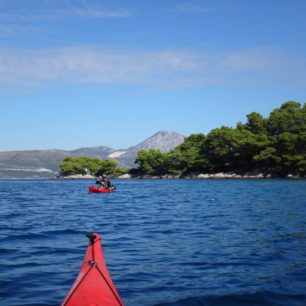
93,286
100,189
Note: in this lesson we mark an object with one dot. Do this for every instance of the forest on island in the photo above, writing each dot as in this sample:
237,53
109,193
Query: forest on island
96,166
273,146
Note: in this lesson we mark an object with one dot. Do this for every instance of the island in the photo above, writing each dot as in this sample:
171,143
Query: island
259,148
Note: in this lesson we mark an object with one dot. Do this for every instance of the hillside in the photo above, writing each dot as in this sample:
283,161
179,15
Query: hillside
163,141
44,163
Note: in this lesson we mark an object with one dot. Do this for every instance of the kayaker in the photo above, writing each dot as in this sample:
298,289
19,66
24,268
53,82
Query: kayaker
104,182
99,181
107,182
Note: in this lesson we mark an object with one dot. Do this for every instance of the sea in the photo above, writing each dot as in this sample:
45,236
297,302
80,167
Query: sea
165,242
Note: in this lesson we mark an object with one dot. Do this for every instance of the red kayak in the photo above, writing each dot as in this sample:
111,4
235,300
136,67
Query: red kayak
93,286
100,189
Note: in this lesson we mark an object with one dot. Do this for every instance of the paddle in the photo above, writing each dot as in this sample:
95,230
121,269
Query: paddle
89,172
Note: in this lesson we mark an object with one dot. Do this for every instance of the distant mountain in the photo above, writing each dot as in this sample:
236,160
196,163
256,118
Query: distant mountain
41,163
44,163
101,151
163,141
35,163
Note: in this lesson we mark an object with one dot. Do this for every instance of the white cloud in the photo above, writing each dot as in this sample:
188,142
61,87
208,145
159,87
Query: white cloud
198,7
163,69
195,7
46,10
12,30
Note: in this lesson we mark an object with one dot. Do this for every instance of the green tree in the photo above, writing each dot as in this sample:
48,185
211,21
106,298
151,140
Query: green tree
288,118
268,161
275,145
256,123
108,167
70,166
220,147
287,126
152,162
188,157
248,145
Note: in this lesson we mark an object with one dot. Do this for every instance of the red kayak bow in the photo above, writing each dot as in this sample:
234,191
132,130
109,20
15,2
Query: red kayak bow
100,189
93,286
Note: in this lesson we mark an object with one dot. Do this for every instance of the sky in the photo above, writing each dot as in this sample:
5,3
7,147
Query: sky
77,73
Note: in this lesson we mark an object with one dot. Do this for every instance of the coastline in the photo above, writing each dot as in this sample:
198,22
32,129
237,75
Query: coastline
201,176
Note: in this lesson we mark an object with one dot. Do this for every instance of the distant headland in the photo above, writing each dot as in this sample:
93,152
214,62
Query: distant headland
260,148
272,147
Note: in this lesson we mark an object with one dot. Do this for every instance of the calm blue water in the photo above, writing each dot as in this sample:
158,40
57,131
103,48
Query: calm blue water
166,242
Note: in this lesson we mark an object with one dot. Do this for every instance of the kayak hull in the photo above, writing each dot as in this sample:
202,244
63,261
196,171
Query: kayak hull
93,286
100,189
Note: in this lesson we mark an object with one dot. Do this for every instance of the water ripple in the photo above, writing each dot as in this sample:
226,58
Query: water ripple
166,242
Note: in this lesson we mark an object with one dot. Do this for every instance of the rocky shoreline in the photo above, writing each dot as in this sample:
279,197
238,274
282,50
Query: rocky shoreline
206,176
76,177
201,176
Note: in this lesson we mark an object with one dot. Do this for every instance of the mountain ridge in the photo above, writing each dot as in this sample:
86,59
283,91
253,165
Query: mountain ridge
44,163
163,140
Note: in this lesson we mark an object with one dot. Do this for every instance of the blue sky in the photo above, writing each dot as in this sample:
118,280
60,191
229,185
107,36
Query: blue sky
77,73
